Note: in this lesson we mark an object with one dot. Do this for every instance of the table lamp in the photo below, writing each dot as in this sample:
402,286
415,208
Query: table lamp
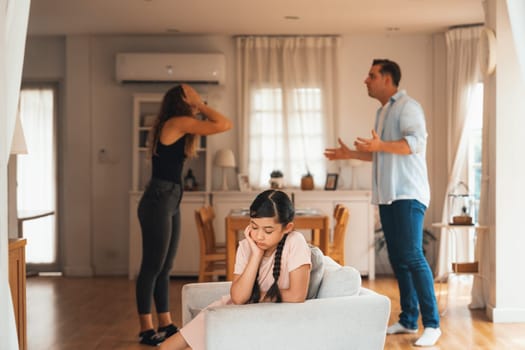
224,159
18,144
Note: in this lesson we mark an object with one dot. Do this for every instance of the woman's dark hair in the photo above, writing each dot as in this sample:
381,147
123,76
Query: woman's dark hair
389,67
172,106
272,204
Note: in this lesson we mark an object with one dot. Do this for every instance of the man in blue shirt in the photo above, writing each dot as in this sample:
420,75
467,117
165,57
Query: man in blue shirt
400,188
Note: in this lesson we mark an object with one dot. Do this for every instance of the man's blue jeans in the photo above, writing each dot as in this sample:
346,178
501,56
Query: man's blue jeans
402,223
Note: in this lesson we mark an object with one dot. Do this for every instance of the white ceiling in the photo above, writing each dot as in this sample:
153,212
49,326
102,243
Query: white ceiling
234,17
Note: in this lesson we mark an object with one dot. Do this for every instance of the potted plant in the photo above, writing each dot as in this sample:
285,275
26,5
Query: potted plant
307,181
276,179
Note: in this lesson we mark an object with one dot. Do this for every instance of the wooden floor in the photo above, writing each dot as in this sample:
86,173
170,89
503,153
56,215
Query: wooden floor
99,313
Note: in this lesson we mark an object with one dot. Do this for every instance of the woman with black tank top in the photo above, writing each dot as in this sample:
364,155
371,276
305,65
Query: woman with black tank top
173,139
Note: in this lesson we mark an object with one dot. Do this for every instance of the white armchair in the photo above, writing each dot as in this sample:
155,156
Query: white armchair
343,316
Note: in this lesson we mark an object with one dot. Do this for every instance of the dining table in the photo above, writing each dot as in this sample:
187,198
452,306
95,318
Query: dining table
307,219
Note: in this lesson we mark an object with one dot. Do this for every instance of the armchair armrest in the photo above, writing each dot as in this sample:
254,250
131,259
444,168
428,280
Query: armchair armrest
350,323
196,296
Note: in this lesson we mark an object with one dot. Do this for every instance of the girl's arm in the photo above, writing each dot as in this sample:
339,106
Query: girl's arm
176,127
242,285
298,290
215,122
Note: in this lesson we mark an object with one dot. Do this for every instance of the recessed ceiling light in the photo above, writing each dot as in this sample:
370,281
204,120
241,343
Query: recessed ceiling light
292,17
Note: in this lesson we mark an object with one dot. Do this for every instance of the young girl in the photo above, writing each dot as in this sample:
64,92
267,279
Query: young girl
272,265
173,141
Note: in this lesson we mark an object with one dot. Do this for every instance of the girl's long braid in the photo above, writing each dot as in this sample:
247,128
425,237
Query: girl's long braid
256,291
274,293
271,203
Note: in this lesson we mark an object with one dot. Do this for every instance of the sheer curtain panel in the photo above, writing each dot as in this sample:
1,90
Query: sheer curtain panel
462,76
286,105
36,194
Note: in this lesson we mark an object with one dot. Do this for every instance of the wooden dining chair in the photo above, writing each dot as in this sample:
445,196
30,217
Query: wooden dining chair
336,250
212,255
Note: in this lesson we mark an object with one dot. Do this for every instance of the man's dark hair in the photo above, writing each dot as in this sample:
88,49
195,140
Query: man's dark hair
389,67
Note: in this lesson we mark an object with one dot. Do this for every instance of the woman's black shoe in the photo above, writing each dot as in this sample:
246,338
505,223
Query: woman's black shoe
150,337
168,331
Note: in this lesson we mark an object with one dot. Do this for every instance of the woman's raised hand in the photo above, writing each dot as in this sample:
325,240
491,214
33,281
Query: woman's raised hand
191,96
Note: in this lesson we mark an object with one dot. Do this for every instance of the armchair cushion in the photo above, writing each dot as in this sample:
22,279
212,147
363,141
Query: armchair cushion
316,272
339,281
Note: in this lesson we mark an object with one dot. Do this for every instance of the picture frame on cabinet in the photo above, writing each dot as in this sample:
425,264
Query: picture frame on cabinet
244,182
331,182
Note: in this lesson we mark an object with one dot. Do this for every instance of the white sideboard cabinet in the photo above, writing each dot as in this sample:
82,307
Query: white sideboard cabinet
359,240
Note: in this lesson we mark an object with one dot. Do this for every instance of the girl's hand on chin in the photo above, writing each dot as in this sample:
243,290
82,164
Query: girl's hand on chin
255,249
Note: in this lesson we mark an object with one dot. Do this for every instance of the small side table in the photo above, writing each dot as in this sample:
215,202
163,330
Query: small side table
471,267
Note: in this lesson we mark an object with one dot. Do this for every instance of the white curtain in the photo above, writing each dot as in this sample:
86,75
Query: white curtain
462,76
286,105
14,16
480,287
36,194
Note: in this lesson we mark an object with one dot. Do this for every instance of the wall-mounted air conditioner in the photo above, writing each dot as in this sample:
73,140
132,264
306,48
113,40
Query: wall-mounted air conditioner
196,68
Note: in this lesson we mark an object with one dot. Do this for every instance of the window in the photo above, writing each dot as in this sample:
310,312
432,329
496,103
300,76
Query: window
475,130
36,175
287,133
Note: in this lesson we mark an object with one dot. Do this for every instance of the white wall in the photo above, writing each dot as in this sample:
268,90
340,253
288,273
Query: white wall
13,29
509,188
98,111
414,53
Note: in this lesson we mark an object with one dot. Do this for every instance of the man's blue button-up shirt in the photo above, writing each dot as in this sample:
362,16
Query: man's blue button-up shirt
398,176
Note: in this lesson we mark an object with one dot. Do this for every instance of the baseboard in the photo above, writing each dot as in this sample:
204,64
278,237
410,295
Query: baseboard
506,315
111,271
78,271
